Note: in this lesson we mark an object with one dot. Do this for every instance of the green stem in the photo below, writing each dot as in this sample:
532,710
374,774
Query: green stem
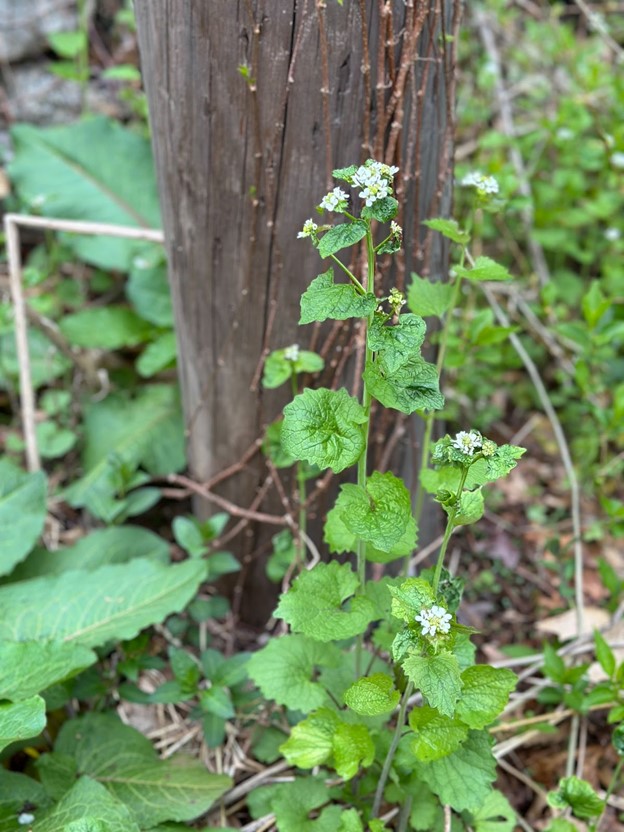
430,417
385,771
448,532
301,488
362,461
347,271
610,790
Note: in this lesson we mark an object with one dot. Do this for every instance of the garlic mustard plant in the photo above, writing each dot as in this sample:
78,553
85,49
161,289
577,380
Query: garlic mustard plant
378,678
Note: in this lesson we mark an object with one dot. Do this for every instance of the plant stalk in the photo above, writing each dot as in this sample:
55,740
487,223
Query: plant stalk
301,488
385,771
448,531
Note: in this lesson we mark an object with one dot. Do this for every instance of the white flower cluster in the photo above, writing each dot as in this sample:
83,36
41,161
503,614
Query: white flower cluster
292,353
612,234
466,442
375,179
309,227
434,620
396,229
335,200
484,185
617,160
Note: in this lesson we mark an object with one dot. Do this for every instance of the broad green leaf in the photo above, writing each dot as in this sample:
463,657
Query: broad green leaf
294,802
285,671
561,825
91,608
325,299
471,508
89,171
68,44
87,807
324,427
22,513
341,539
40,664
57,772
579,796
125,762
147,290
101,547
378,513
449,229
311,740
485,692
503,461
17,791
145,429
594,304
429,297
400,343
382,210
279,369
161,354
413,386
372,695
463,779
436,735
484,268
46,362
437,677
350,822
496,814
272,446
321,605
282,557
341,236
21,720
352,748
345,173
604,654
54,441
105,327
410,597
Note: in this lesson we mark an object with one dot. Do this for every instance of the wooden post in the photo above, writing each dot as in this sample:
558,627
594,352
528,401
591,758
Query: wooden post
252,104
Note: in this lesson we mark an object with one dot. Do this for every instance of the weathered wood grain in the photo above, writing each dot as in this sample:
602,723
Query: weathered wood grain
242,160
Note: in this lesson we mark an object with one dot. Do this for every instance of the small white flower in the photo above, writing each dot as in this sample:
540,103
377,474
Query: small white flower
612,234
292,353
617,160
434,620
484,185
25,818
396,229
309,227
467,443
335,200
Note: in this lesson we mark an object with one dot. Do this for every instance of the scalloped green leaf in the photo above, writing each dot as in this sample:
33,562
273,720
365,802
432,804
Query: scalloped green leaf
429,297
438,678
341,236
435,735
372,695
463,779
400,343
485,692
324,427
382,210
378,513
325,299
278,369
409,598
484,268
412,386
322,603
286,669
449,229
